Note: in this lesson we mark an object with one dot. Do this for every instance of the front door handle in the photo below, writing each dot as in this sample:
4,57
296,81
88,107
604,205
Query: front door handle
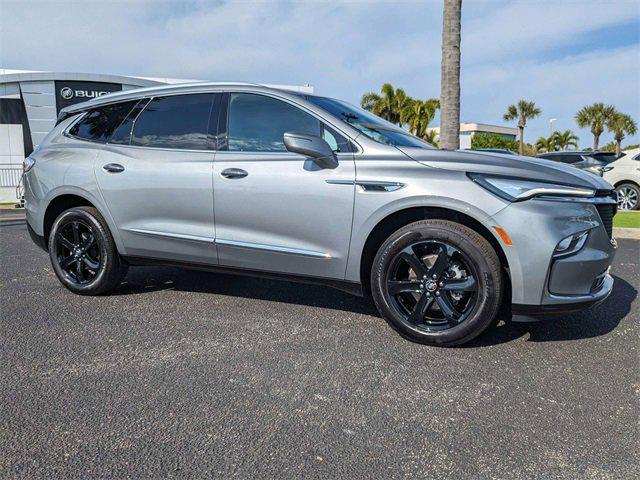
234,173
113,168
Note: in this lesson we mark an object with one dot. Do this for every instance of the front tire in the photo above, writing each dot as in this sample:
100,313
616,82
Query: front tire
83,253
628,196
437,282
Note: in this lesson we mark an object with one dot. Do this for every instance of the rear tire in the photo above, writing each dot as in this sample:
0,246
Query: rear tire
437,282
83,253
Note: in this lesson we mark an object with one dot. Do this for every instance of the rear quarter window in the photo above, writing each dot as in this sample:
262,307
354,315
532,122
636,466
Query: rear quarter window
98,124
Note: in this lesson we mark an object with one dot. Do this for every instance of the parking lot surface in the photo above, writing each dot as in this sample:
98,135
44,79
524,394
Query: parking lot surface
183,374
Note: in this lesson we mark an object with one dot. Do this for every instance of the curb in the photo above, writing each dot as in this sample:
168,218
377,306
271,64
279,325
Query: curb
633,233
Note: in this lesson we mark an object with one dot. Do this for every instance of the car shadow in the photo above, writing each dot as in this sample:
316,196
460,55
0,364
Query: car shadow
148,279
590,323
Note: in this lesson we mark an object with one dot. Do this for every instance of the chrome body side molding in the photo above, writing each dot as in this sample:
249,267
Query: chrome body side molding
272,248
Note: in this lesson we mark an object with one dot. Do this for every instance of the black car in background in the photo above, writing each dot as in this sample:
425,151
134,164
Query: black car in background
592,161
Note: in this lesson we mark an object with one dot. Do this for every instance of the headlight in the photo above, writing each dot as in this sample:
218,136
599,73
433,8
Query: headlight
518,189
28,164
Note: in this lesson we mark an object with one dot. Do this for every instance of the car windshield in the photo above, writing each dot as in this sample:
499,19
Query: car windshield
369,124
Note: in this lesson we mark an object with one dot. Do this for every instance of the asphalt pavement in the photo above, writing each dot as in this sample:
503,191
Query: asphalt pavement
192,374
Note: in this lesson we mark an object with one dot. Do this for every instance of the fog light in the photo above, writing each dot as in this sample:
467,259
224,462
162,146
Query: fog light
571,244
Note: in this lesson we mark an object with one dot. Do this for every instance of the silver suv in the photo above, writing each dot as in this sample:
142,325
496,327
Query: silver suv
247,179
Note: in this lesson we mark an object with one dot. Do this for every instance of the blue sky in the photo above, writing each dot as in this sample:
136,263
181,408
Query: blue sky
561,54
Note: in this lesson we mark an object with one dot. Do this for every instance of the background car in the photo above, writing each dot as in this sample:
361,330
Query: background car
591,161
625,177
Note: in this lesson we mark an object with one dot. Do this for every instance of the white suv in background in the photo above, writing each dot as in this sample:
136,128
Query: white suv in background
625,177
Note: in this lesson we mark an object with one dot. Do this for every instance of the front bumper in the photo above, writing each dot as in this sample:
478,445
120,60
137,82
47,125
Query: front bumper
566,305
543,284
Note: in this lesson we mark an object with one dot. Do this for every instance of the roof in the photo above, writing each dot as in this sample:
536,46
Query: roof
177,88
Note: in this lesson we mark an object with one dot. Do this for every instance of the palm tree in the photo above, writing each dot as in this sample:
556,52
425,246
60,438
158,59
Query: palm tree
621,124
523,111
450,76
389,105
418,114
546,144
595,117
431,138
565,139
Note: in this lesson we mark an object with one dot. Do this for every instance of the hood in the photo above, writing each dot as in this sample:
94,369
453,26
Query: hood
490,163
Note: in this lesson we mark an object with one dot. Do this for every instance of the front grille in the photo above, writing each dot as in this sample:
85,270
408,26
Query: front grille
606,212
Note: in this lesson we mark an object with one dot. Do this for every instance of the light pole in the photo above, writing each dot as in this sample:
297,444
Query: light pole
551,125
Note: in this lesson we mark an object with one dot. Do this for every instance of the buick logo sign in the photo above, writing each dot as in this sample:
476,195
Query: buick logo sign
66,93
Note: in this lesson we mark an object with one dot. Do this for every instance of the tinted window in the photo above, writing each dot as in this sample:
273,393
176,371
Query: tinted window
178,121
258,123
607,157
99,123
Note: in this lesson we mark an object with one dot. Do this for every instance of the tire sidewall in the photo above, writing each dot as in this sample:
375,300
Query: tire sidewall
101,239
489,287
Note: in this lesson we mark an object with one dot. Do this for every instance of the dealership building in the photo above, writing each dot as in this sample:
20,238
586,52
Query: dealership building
469,130
31,101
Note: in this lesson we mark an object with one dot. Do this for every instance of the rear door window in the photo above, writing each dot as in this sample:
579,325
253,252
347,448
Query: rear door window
98,124
176,122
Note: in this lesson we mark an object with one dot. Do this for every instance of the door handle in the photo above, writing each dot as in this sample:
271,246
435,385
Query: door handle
113,168
234,173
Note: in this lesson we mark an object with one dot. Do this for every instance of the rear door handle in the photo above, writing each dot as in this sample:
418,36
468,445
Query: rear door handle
113,168
234,173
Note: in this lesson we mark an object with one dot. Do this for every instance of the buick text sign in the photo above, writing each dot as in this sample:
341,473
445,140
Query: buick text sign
70,93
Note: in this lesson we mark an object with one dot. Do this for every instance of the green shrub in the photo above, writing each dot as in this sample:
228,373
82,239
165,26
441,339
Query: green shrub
492,140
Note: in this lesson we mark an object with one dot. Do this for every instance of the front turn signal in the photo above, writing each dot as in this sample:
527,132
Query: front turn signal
503,235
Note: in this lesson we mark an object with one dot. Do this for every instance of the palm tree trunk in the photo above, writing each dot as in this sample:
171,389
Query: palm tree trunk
618,147
596,141
521,146
450,76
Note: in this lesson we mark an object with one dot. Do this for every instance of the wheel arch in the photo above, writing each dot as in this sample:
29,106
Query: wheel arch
622,182
398,219
63,200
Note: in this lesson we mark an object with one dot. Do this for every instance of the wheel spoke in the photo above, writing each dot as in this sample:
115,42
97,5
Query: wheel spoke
90,263
420,309
403,286
64,242
461,285
448,310
88,243
414,262
79,272
441,263
66,262
75,227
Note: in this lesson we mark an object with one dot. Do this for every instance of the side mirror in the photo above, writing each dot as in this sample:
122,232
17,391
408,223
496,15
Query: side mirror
311,146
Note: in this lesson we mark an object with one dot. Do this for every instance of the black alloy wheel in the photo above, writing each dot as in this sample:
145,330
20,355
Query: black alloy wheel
77,251
432,285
